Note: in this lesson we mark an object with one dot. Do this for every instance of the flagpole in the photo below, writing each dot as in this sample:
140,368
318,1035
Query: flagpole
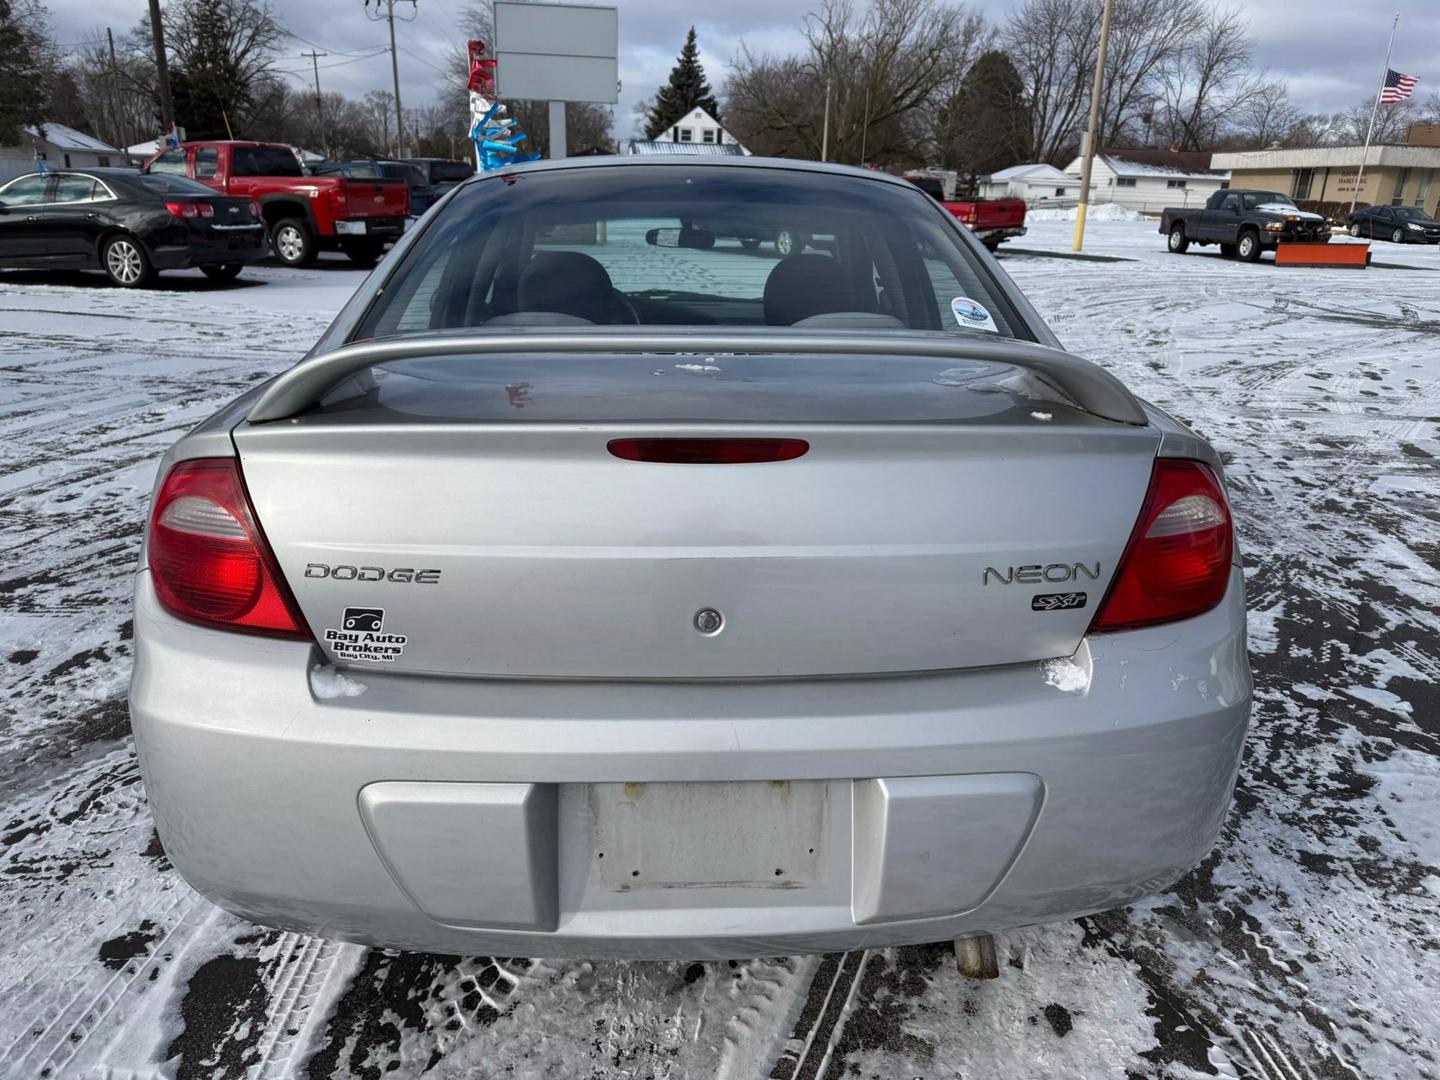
1374,109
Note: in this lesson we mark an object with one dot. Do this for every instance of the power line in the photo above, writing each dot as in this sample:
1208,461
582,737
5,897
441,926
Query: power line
328,49
379,51
428,63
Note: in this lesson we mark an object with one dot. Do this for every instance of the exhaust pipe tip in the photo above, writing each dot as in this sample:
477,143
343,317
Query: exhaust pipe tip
975,957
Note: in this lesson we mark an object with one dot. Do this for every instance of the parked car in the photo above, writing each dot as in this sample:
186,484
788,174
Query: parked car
1398,224
421,193
129,225
443,173
1243,222
992,220
706,613
303,214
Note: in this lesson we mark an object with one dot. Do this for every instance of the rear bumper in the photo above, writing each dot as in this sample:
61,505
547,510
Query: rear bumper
242,246
473,815
371,228
996,235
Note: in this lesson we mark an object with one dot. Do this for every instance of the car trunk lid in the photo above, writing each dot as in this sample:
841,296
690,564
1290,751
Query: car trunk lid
464,518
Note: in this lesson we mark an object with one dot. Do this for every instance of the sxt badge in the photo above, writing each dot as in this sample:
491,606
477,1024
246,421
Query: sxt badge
1057,601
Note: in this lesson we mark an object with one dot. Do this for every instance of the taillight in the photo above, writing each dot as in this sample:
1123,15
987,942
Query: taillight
1178,561
254,210
340,199
209,560
183,209
206,209
708,451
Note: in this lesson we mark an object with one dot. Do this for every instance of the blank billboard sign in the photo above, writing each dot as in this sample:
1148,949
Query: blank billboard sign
557,52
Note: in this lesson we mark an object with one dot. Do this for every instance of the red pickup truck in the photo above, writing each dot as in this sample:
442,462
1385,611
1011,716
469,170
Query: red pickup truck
303,214
993,221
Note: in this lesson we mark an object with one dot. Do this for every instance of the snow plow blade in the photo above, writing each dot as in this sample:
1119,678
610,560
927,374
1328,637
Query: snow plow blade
1352,255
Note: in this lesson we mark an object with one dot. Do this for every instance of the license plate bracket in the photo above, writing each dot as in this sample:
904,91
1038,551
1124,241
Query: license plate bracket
724,834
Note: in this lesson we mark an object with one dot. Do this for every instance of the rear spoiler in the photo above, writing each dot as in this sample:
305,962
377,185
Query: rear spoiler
1091,388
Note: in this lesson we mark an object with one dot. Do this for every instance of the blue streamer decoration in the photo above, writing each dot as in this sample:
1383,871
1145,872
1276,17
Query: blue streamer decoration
497,140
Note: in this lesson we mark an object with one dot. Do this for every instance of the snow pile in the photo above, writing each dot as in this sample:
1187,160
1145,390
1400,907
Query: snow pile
326,683
1066,676
1108,211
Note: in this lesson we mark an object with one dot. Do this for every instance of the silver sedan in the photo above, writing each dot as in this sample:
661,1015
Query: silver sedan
600,585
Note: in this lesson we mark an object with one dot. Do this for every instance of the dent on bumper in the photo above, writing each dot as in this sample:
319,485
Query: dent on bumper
933,805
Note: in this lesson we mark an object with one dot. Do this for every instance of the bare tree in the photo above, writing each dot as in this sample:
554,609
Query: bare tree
114,101
1206,86
379,106
1147,38
1053,45
1265,117
1392,122
883,75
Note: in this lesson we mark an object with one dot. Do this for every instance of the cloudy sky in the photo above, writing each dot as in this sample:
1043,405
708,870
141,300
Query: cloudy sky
1331,57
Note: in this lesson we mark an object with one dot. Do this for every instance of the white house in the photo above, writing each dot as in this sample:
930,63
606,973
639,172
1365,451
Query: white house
1149,180
60,147
1036,184
698,128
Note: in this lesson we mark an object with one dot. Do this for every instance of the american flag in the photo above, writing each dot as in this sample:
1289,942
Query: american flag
1398,87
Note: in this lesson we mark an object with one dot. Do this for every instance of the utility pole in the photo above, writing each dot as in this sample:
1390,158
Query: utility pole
314,58
162,70
825,135
122,136
395,75
1088,150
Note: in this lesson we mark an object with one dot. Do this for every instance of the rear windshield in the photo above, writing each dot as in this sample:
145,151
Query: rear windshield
691,245
265,161
1255,199
445,171
169,184
396,171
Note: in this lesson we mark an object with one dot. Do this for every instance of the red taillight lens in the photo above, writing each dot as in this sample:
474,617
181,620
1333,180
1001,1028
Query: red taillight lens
206,209
254,209
340,200
182,209
1178,561
208,559
708,451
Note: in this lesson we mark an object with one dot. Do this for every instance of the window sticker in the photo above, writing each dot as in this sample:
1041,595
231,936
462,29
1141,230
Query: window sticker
362,636
972,315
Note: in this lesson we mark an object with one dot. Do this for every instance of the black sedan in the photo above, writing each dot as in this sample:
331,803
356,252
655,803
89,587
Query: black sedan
1399,224
126,223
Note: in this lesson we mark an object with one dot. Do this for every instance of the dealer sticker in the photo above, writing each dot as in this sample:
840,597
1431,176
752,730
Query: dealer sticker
362,636
972,315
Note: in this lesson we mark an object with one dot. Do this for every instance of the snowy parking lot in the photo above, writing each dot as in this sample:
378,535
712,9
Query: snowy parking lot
1303,948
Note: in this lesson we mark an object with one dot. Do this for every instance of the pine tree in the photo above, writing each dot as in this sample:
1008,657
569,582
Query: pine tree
23,69
686,90
984,127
